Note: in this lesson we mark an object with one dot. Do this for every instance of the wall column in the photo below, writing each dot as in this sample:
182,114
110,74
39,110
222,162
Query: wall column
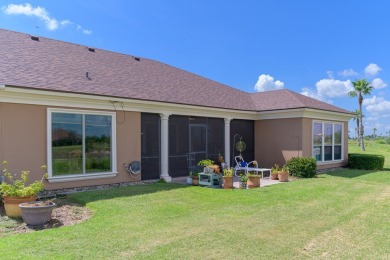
164,147
227,141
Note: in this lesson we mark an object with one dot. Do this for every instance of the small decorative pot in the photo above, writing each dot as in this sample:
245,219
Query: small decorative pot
37,213
283,176
195,181
243,185
11,204
227,182
253,181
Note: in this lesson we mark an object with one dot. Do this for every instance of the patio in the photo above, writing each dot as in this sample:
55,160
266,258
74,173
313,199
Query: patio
264,182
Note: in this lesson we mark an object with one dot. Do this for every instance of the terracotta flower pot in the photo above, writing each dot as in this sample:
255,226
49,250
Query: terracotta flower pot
11,205
227,182
253,181
274,176
195,181
37,213
283,176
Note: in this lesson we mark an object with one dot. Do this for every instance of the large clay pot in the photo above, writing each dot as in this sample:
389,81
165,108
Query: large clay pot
195,181
37,213
274,176
11,205
227,182
283,176
253,181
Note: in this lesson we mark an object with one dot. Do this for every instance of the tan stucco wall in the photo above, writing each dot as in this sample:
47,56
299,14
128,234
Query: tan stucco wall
276,141
23,143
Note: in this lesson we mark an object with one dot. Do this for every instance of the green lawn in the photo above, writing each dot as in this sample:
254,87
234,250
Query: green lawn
371,148
342,215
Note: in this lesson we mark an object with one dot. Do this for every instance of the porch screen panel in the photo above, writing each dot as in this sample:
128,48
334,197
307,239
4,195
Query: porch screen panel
150,146
67,144
178,145
216,137
244,128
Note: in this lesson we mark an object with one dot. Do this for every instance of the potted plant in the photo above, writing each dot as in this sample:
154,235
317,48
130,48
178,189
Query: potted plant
15,192
283,174
253,180
195,179
274,172
220,157
243,181
227,178
37,213
206,163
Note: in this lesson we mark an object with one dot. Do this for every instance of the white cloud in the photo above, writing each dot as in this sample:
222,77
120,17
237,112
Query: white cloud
28,10
41,13
266,82
330,74
372,69
328,88
65,22
87,31
372,100
348,73
333,87
311,93
378,83
377,106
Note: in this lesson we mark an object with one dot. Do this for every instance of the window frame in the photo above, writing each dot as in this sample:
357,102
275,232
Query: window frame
84,175
323,161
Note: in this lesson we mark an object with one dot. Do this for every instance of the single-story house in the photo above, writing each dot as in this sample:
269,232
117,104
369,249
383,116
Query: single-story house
88,113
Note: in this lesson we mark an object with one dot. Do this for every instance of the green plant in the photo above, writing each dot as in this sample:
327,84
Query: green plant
275,168
243,178
194,174
304,167
284,168
366,161
161,180
228,172
205,162
18,188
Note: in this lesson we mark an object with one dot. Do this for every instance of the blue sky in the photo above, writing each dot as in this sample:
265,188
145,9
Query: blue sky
312,47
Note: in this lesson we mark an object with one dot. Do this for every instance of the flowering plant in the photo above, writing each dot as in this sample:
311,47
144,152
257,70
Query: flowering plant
19,188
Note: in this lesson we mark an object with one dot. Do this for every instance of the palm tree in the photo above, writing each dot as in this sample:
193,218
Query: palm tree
374,129
356,118
361,88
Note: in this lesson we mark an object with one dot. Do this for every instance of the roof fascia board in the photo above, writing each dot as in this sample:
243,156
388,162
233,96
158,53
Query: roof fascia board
73,100
306,113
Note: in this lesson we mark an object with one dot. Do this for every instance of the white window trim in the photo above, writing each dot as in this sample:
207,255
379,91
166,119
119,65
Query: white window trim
323,146
77,177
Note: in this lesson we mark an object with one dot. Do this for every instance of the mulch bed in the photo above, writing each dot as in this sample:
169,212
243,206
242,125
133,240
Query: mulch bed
66,213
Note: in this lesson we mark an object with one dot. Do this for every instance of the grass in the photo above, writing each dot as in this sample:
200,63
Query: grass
339,215
372,147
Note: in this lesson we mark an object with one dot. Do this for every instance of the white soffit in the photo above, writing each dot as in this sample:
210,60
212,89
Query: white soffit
84,101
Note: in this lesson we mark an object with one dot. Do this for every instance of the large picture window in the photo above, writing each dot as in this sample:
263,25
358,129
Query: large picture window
80,143
327,141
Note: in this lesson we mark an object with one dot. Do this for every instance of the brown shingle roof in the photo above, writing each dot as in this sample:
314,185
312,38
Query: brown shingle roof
59,66
287,99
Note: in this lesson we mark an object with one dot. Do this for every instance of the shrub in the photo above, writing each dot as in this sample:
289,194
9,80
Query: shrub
380,141
366,161
304,167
